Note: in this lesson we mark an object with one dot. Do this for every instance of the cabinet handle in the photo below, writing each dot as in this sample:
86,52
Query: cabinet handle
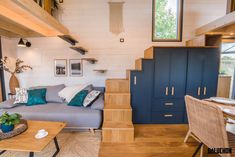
173,91
166,90
204,91
135,80
199,91
168,115
169,104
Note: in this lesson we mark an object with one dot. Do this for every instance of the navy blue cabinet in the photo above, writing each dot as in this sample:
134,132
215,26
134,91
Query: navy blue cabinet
141,92
202,73
158,91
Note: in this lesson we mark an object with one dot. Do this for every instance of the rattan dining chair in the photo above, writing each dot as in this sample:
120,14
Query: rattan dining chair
207,124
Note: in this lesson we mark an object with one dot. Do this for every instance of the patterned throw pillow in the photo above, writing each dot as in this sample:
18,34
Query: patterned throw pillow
91,97
21,96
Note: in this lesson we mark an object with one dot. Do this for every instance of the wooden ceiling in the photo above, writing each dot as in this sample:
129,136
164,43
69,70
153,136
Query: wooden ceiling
25,18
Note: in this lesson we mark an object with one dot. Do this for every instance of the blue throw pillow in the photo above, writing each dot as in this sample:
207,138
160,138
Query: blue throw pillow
36,97
78,98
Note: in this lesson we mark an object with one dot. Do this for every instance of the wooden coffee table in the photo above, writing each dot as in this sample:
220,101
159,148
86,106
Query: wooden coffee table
26,141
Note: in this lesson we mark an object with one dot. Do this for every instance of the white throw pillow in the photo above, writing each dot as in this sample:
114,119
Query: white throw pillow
21,96
89,99
69,92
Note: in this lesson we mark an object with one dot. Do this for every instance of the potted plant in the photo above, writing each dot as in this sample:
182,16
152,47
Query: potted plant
8,121
13,66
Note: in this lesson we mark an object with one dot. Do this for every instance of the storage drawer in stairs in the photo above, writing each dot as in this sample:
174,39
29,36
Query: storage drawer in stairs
167,117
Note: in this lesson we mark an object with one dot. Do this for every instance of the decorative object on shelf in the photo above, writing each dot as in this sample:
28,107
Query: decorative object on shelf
80,50
69,39
61,1
100,70
60,67
13,66
18,129
21,43
90,60
75,67
8,121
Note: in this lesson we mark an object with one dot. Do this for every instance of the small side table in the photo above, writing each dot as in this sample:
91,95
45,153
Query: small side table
11,96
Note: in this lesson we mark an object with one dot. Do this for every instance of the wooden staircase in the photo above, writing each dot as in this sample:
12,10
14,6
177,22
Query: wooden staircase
117,124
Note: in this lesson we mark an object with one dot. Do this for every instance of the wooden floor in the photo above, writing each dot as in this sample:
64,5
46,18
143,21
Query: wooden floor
153,141
150,141
73,144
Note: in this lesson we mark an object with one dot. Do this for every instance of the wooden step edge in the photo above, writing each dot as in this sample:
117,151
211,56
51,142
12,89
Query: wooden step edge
117,125
149,53
116,79
117,128
117,108
117,93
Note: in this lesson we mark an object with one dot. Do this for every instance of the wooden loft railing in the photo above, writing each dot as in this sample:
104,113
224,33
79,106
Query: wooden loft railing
26,18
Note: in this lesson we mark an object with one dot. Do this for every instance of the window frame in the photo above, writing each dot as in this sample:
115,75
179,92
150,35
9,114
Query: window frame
180,24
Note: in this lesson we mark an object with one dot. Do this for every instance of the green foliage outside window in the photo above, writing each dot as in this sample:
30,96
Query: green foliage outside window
166,21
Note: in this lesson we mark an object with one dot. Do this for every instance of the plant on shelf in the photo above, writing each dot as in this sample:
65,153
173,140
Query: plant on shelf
13,66
8,121
54,7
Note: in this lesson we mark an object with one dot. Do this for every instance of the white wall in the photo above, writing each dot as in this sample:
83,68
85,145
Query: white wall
89,21
8,49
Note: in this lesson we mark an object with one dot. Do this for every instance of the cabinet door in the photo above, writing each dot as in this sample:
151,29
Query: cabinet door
141,93
178,73
195,72
210,73
162,73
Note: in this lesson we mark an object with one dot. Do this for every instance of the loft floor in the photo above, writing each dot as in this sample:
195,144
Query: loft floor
154,141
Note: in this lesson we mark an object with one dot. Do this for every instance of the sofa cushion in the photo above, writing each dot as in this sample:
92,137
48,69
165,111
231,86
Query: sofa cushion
69,92
36,97
21,96
8,104
98,104
78,98
73,116
91,97
52,92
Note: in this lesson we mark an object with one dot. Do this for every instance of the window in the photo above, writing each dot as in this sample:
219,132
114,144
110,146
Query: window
167,20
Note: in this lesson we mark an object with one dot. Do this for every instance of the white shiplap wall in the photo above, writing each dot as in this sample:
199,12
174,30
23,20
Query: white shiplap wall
89,21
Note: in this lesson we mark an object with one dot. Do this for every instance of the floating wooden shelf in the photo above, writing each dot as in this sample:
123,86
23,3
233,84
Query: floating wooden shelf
79,49
100,70
69,39
90,60
25,18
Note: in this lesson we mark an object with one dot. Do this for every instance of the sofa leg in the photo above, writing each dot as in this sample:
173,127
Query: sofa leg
92,130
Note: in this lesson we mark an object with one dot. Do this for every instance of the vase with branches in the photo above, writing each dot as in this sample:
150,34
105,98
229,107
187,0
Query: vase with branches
13,66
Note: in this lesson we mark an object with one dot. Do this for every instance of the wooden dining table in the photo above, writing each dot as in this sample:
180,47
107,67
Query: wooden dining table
228,110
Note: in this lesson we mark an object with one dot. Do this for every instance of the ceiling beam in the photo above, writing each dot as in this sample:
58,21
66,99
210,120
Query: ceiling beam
15,28
8,34
30,15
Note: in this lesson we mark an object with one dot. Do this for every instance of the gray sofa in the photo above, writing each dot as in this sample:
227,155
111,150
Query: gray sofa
75,117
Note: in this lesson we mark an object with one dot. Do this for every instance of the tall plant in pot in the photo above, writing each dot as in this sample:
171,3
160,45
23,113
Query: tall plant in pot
13,66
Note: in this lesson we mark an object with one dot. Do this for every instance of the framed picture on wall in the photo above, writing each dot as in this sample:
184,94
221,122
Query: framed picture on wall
75,67
60,67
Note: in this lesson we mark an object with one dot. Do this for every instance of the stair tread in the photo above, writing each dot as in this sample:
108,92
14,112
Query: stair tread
111,106
116,79
117,93
118,125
